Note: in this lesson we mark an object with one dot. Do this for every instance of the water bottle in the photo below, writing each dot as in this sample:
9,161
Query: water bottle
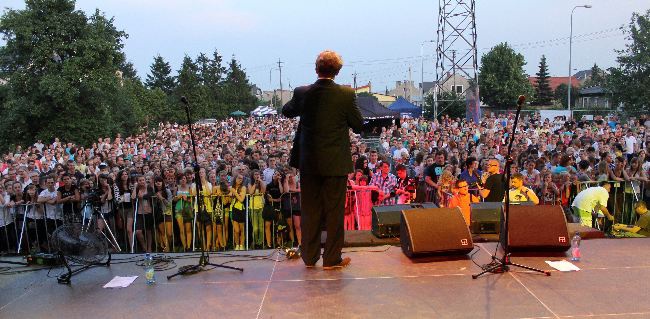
575,247
149,274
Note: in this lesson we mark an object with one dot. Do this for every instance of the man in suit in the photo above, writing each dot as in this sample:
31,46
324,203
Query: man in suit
321,151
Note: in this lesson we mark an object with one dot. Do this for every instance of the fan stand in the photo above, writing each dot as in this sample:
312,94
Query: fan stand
65,278
204,259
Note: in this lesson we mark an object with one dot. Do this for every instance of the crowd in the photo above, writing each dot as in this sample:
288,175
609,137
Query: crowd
143,186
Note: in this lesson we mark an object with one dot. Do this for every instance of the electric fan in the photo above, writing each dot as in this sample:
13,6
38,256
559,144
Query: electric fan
85,248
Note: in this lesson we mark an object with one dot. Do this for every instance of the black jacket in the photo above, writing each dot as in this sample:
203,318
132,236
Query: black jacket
322,142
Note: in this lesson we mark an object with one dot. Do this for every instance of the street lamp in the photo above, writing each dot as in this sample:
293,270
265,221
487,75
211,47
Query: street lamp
586,6
422,72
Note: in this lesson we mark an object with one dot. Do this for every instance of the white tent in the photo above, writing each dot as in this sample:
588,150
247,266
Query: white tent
264,110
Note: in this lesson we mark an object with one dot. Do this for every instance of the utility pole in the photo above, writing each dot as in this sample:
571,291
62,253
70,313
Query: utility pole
410,83
456,46
280,68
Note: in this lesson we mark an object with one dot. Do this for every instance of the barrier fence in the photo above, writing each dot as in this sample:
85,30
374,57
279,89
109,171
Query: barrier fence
622,197
260,221
157,225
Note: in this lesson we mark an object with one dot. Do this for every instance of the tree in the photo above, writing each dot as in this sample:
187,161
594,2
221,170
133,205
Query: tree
630,81
237,89
128,71
275,101
211,75
368,94
543,92
501,76
189,85
449,103
561,92
160,76
598,77
62,74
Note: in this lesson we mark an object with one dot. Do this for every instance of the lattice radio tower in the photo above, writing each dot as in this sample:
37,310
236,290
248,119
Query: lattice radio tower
456,50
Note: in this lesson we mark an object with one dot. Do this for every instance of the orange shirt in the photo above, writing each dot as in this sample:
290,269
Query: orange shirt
463,202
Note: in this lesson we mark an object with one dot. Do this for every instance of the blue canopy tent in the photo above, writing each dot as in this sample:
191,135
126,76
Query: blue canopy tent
405,108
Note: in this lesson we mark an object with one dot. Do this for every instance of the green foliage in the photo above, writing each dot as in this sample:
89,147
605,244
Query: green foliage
69,78
367,94
502,77
275,101
543,92
630,81
160,76
598,77
237,90
449,103
62,74
561,94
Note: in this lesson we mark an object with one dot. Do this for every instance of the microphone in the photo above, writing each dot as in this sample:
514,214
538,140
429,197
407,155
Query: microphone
184,100
520,100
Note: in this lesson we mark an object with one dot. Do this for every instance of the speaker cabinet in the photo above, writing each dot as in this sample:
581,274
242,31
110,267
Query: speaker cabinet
485,217
386,219
537,228
434,231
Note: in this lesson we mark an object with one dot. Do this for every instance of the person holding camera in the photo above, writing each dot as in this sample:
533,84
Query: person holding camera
405,187
256,203
221,195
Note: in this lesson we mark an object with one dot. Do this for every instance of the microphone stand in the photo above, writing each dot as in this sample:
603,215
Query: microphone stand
204,259
502,265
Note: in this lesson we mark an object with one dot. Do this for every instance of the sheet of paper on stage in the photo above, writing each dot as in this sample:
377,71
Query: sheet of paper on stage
120,282
562,265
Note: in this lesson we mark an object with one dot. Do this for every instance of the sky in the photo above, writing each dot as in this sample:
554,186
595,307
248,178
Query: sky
379,40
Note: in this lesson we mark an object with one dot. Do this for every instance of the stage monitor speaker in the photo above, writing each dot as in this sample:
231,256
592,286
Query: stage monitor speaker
434,231
386,219
537,228
485,217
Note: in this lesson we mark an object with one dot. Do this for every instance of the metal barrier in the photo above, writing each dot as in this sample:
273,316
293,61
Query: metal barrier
157,225
622,197
358,208
173,225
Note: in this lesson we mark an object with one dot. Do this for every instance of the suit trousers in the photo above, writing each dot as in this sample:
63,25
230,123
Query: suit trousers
322,200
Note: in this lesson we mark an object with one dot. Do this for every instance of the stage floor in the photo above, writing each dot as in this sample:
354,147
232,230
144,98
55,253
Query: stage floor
380,283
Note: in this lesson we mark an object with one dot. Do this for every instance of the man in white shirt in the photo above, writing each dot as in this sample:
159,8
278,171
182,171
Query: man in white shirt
630,144
592,199
47,197
373,160
268,172
399,148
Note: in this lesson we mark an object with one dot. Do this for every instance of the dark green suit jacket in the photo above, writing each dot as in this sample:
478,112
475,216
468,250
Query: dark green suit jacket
322,142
